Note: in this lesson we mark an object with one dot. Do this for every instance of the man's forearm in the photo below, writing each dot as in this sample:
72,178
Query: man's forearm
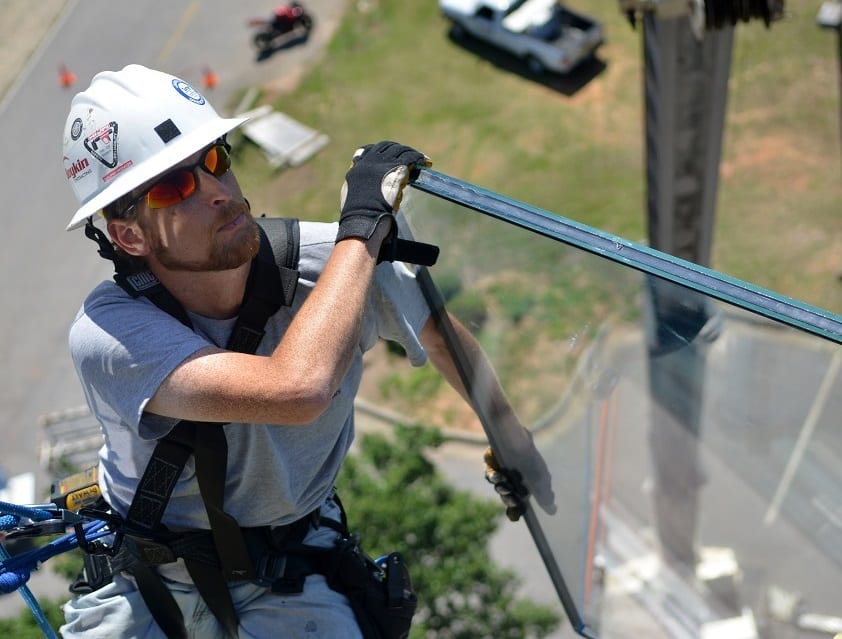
324,334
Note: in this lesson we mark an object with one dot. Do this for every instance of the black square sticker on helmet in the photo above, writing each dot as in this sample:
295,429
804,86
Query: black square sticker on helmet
167,130
102,144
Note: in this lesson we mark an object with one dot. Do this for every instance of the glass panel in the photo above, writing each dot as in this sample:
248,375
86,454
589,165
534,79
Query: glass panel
689,422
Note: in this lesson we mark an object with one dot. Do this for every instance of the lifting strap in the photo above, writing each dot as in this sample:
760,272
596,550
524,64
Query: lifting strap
271,284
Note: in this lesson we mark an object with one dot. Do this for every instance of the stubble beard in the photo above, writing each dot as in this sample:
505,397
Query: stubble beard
228,251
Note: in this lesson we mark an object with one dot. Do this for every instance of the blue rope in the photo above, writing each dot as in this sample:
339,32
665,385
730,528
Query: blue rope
31,601
16,510
28,561
14,513
17,580
15,571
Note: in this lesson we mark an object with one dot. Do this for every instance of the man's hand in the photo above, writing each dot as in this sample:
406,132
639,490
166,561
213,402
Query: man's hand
507,484
514,488
374,186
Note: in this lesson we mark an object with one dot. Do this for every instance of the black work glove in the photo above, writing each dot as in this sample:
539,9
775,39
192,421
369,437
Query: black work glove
374,186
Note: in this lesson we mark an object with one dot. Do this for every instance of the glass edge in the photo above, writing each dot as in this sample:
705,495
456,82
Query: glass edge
820,322
466,373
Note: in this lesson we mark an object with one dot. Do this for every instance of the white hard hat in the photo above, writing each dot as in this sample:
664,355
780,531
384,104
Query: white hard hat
128,127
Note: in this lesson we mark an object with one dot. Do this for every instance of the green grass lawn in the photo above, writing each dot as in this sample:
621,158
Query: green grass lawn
393,72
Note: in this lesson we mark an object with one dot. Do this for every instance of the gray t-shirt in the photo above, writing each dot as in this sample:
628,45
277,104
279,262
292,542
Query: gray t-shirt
123,349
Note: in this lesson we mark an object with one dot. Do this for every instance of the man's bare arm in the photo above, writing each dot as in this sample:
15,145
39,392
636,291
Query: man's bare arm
485,394
297,382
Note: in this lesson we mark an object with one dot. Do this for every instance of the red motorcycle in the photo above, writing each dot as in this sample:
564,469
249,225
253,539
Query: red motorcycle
290,21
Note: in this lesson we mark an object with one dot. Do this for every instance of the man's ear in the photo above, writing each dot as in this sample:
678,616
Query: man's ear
129,237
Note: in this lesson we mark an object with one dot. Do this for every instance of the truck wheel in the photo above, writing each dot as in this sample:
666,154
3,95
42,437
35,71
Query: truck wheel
534,65
262,41
457,31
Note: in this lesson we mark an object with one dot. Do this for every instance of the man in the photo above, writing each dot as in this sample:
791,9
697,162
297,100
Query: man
283,18
149,151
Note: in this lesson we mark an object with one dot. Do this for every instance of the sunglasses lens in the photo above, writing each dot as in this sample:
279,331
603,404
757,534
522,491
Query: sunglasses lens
172,189
179,185
217,161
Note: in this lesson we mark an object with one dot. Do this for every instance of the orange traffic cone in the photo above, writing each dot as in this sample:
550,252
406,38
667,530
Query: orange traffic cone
65,78
210,78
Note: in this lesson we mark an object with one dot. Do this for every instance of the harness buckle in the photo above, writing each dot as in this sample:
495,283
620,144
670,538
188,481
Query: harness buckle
270,567
283,572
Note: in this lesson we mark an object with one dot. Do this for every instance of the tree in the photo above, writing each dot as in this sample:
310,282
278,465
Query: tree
397,500
24,625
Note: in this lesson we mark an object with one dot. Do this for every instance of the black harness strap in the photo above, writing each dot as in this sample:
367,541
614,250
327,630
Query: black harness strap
398,249
211,454
158,598
272,282
210,451
157,483
142,284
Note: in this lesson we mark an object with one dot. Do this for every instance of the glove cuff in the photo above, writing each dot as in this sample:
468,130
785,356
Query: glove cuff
361,225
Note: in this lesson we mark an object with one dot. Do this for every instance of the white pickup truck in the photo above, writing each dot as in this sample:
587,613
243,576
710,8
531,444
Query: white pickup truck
545,34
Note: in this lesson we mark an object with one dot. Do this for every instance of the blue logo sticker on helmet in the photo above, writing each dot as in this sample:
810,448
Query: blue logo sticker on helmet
187,91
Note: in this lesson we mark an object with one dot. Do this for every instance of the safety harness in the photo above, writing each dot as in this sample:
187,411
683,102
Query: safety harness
228,552
224,555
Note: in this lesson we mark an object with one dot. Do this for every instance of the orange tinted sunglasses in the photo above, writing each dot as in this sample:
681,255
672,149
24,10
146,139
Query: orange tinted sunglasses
176,186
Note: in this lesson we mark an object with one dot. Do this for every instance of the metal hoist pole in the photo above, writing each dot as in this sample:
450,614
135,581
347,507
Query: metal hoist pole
686,87
687,50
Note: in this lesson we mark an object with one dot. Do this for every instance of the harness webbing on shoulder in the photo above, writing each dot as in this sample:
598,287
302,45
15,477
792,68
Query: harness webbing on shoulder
271,284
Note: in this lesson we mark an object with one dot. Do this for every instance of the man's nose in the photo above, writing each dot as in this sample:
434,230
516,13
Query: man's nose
216,189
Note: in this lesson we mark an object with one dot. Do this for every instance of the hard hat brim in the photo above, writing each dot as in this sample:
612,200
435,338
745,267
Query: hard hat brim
176,151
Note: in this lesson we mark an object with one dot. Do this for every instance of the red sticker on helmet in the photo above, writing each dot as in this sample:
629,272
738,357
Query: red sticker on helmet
76,169
102,144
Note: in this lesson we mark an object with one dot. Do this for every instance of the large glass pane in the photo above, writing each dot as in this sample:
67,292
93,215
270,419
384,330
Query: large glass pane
690,423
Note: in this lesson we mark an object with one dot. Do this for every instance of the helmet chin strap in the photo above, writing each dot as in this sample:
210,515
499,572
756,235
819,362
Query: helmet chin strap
106,248
135,284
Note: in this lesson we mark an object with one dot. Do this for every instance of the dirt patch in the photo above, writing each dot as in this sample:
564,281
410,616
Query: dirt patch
772,155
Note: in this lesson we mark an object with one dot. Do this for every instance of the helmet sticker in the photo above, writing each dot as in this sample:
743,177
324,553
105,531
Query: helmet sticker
102,144
76,169
76,129
188,92
167,130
